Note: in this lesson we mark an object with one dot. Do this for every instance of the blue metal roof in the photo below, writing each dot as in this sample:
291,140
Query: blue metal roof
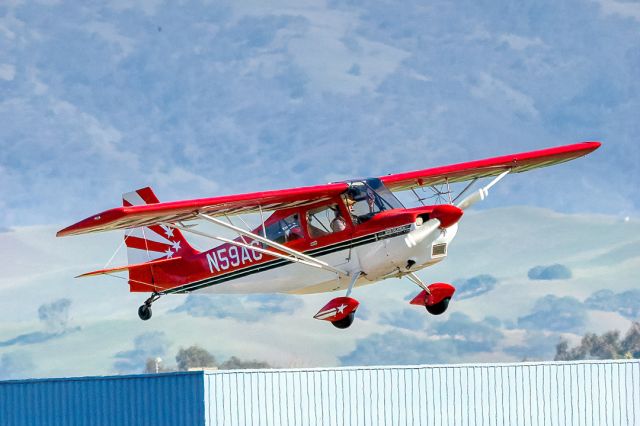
147,399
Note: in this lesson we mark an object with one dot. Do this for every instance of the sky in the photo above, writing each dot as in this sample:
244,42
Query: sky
209,98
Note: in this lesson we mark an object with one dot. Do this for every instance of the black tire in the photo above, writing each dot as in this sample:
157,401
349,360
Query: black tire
144,312
344,322
439,307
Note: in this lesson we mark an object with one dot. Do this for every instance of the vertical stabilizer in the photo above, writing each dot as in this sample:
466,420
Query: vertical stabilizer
149,243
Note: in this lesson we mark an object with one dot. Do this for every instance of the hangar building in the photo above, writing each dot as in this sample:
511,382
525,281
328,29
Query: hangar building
548,393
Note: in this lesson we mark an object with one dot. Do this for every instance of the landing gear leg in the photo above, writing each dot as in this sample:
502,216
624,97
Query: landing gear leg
144,311
417,281
352,282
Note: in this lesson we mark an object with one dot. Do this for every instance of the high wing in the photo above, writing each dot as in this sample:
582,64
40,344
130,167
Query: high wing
176,211
461,172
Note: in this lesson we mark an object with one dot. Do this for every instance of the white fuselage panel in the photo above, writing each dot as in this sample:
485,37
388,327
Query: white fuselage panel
377,260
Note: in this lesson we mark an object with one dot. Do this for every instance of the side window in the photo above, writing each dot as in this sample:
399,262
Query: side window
285,230
325,220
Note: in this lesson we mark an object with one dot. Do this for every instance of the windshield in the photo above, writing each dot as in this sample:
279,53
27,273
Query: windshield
367,198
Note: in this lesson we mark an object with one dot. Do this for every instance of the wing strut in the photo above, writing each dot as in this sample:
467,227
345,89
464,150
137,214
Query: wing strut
464,190
481,193
247,246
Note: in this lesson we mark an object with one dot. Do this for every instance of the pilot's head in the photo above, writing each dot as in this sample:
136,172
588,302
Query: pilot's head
349,201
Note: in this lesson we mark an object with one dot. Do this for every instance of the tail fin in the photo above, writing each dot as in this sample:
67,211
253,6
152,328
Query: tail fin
150,243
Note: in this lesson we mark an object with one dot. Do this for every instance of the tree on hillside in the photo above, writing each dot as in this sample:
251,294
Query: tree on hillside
605,346
194,357
197,357
631,342
155,365
235,363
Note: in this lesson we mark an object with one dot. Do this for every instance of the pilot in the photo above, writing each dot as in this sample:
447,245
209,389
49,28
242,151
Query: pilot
338,223
350,202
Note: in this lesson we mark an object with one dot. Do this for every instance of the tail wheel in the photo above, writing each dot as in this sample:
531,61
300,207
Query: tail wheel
439,307
144,312
345,322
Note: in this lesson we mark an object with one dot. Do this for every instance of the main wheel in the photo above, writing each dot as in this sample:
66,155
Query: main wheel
144,312
344,322
439,307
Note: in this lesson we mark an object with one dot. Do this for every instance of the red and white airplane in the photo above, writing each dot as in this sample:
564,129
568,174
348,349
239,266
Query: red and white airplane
317,239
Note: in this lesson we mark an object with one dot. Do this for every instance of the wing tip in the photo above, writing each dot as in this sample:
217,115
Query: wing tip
72,230
94,223
592,145
62,233
585,148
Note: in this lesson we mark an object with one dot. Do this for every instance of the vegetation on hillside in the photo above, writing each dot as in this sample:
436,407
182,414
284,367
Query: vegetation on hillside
198,357
606,346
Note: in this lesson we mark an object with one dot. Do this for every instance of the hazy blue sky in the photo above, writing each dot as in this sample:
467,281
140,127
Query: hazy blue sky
209,98
198,99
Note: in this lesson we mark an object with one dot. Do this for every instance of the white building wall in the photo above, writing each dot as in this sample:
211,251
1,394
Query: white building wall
590,393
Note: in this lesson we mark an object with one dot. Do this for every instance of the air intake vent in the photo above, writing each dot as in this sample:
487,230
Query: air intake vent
439,250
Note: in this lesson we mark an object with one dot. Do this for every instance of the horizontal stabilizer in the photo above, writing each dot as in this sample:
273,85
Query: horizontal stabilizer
129,268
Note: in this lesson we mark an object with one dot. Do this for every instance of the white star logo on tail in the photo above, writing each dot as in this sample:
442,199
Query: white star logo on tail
167,230
175,245
168,253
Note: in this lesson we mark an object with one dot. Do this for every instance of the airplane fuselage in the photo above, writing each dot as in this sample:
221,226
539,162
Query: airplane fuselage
379,249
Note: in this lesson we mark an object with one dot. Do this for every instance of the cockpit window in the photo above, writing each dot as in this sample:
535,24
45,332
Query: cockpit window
367,198
285,230
325,220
